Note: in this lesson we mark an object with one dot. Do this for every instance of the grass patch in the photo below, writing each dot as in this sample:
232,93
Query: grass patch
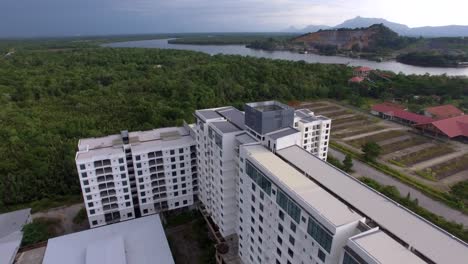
358,131
80,217
358,143
41,229
407,143
424,154
46,203
394,162
175,219
338,113
426,175
326,108
391,192
450,167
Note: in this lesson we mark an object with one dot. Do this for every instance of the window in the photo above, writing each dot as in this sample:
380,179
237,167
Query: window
123,175
185,202
82,167
291,240
289,206
176,193
348,259
143,200
145,211
290,253
137,157
121,160
172,152
138,165
127,204
87,190
281,215
259,178
90,204
293,227
319,233
84,175
94,222
89,197
181,150
176,204
278,251
280,241
321,255
129,215
280,228
92,211
122,168
85,182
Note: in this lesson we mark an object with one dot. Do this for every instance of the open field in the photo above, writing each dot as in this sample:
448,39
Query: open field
413,154
445,169
356,131
358,143
424,154
404,144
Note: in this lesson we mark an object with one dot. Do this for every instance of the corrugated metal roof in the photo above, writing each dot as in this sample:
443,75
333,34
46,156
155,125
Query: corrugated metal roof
444,111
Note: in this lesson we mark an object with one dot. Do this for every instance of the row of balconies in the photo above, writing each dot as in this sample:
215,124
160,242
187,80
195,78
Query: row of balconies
106,185
103,171
100,163
104,178
110,206
155,154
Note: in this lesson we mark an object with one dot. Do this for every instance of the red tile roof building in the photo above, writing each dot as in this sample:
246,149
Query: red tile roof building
398,113
356,80
443,112
453,127
362,71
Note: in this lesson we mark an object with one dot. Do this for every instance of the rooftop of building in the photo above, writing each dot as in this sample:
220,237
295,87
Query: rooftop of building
245,138
11,225
384,249
112,144
452,127
212,113
444,111
306,191
226,127
423,236
268,106
307,116
282,133
234,116
397,111
138,241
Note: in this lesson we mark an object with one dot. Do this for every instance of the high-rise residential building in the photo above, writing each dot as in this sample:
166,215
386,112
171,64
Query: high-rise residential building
315,132
137,173
262,178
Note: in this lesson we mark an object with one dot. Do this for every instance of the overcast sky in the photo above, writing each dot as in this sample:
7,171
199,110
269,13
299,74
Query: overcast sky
85,17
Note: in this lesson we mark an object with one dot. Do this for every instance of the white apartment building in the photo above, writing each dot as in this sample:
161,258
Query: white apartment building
286,218
314,131
139,173
215,133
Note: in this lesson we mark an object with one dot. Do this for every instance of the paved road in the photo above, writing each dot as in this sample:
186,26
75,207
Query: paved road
436,207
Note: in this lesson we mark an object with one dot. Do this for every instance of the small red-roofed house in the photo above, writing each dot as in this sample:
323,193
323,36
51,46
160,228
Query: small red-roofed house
356,79
362,72
398,113
443,112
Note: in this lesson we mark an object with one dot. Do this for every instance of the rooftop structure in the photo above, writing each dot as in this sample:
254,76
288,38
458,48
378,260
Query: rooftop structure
443,111
451,127
139,241
376,247
11,225
422,236
265,117
397,113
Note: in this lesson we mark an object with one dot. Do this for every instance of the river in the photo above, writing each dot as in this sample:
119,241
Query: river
287,55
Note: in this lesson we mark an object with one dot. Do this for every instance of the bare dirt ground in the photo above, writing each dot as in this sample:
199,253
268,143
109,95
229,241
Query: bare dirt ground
65,214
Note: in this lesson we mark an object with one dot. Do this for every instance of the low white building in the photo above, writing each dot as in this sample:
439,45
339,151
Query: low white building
139,241
11,234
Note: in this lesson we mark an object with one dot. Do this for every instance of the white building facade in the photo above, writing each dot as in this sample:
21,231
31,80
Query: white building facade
138,173
315,132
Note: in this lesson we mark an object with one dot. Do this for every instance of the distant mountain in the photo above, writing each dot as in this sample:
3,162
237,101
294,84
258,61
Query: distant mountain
363,22
401,29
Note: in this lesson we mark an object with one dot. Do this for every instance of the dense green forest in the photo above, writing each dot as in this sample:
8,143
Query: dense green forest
50,98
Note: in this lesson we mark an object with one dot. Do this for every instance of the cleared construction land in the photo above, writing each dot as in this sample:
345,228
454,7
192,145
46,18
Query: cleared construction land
437,163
